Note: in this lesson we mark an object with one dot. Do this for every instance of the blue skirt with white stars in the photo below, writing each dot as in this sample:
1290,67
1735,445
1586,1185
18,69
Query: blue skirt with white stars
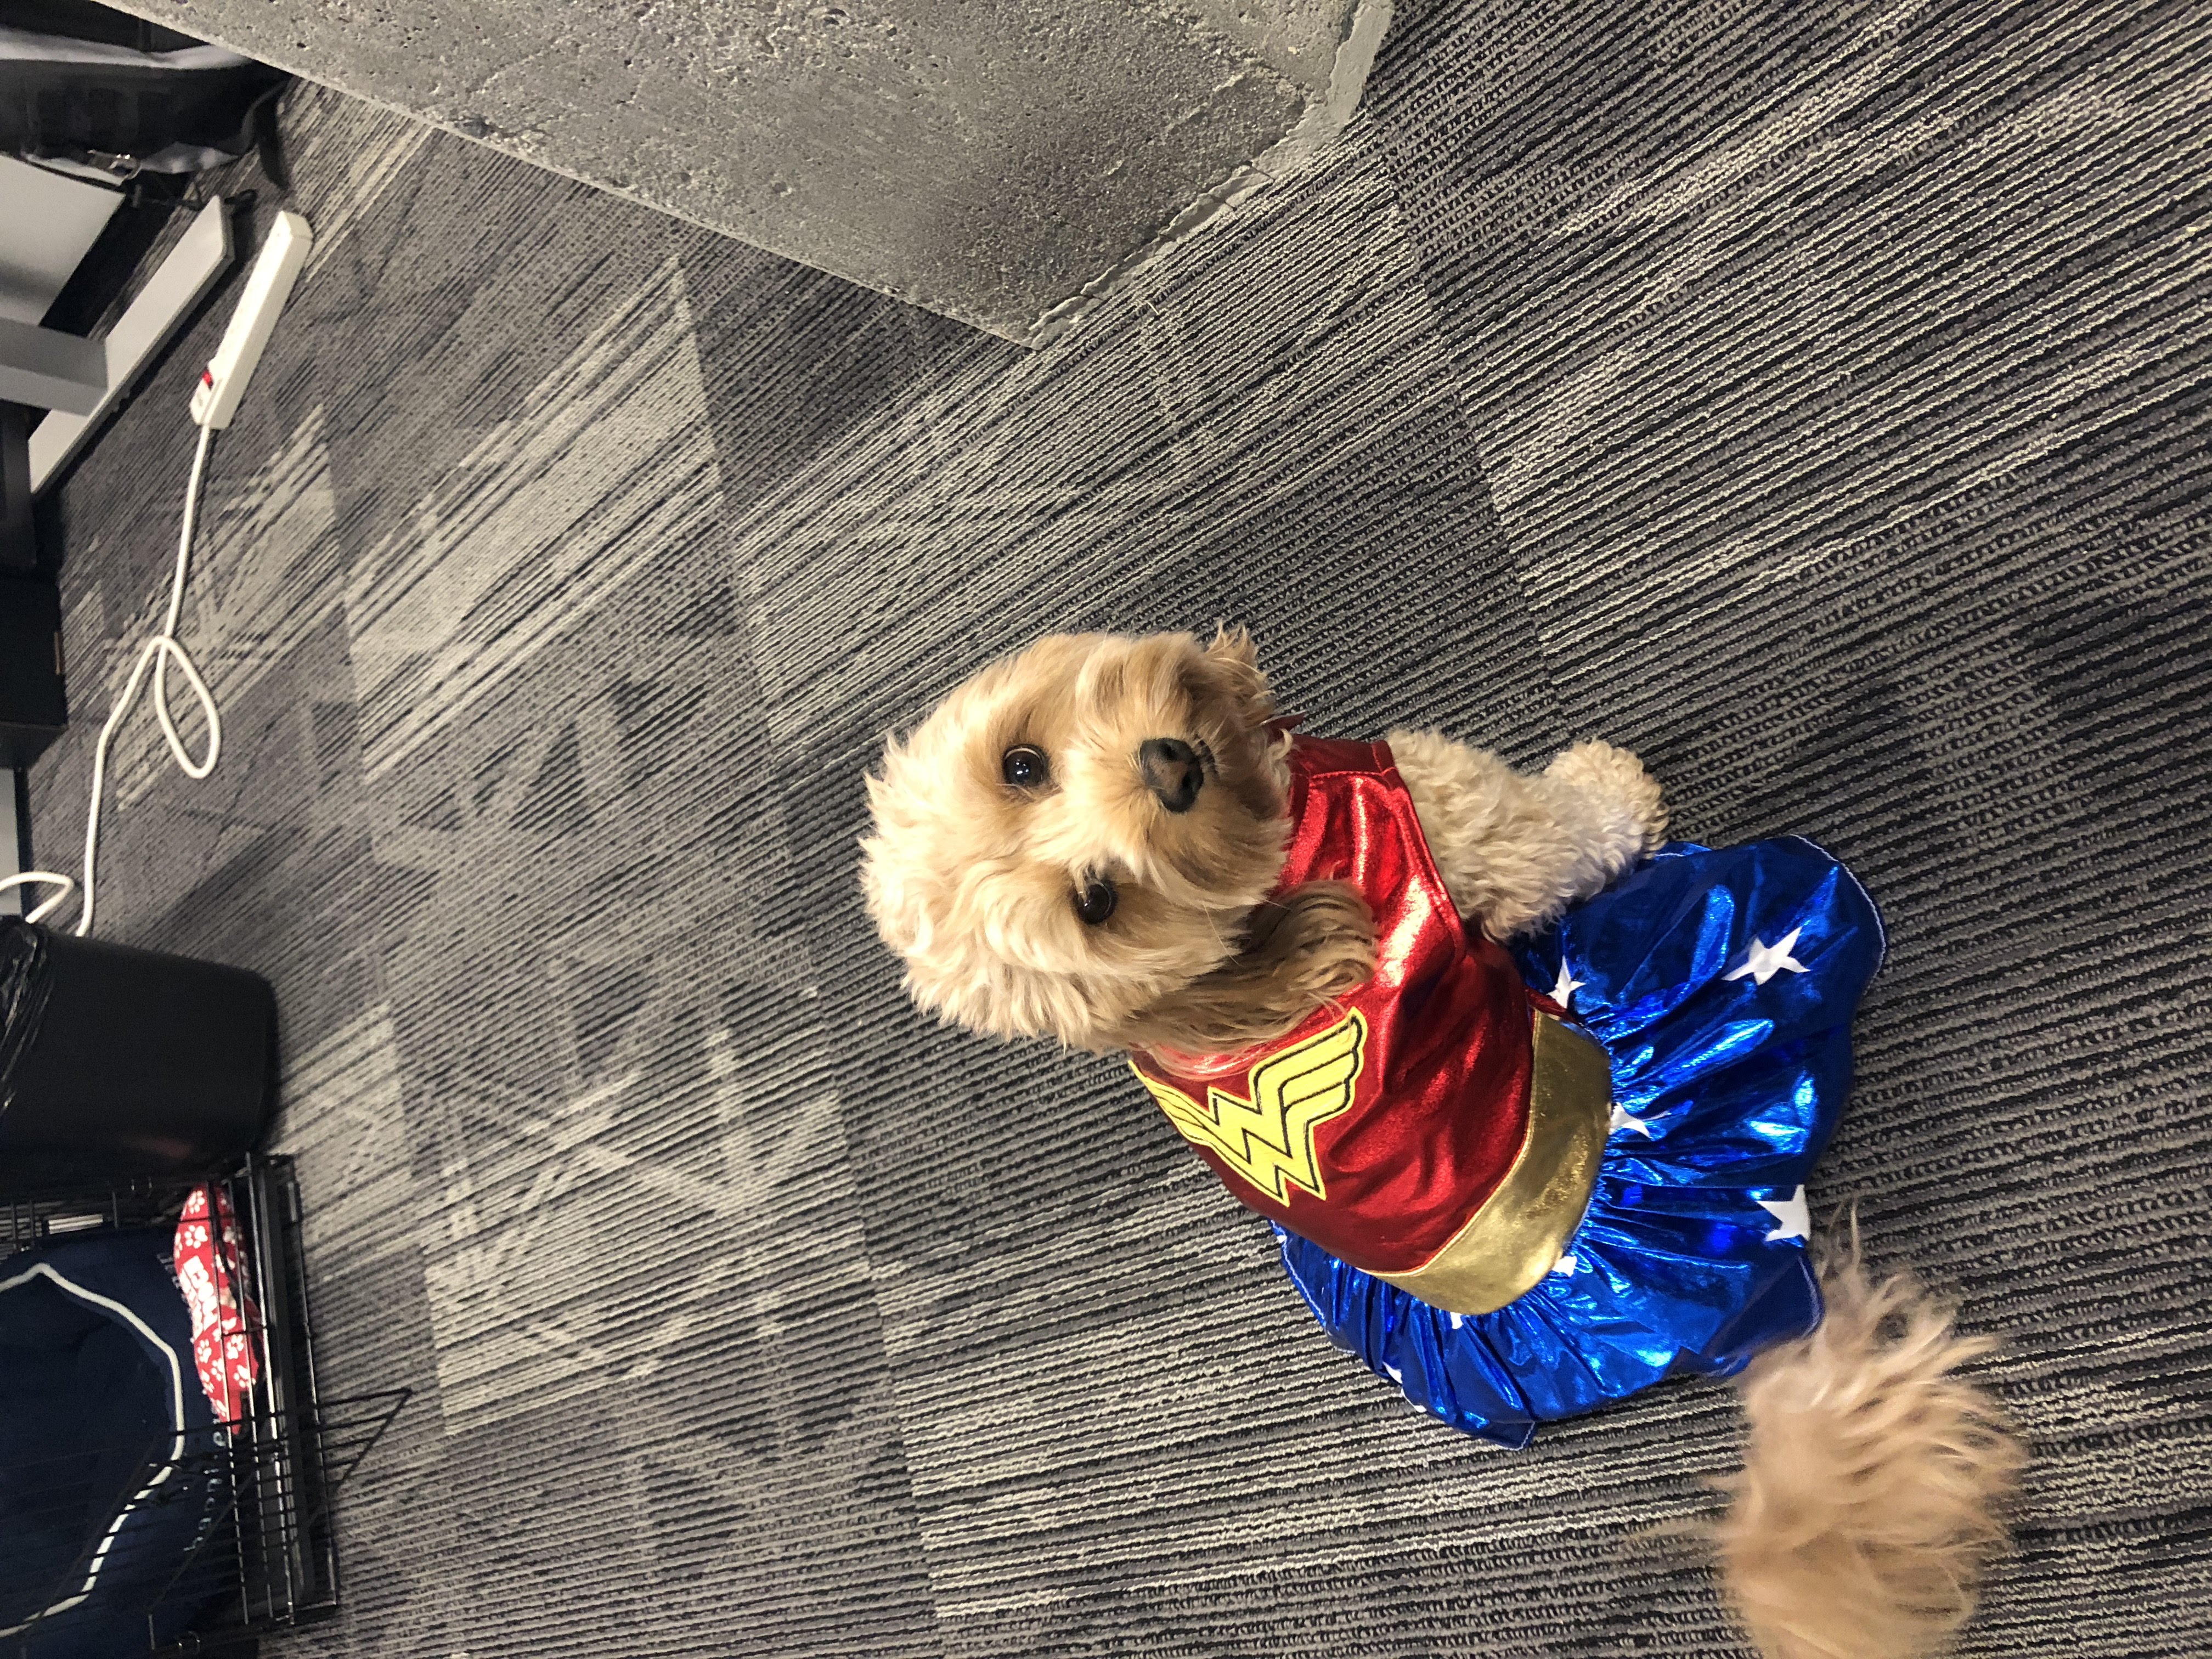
1721,983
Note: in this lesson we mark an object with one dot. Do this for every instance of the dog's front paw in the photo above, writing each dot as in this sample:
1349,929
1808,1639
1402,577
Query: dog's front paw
1624,811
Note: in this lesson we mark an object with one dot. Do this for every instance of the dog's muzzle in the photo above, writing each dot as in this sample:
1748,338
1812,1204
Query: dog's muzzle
1172,772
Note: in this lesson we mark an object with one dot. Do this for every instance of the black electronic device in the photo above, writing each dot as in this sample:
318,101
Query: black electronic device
33,699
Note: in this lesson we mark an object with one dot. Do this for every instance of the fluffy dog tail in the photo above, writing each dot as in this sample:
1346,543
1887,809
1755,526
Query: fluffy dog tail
1874,1479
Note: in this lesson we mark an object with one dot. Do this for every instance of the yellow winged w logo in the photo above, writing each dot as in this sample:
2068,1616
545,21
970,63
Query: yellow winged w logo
1269,1138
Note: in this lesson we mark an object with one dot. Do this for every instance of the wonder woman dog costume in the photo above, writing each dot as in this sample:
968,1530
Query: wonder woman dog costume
1522,1183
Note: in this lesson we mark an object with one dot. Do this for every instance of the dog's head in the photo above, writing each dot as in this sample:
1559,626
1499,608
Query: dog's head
1074,844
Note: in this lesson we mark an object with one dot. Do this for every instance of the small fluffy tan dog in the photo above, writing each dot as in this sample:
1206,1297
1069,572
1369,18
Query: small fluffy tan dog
1113,843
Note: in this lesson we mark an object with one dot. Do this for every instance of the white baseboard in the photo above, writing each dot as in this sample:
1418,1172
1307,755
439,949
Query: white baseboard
177,286
11,845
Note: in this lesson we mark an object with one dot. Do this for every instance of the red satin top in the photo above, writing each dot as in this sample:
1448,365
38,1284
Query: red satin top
1380,1125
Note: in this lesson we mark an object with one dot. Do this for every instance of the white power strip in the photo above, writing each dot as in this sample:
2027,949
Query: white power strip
222,382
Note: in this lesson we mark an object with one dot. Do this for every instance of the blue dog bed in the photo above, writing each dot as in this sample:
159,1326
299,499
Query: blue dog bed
111,1473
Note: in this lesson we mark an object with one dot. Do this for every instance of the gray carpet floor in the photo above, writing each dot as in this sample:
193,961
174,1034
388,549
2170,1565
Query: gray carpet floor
1813,397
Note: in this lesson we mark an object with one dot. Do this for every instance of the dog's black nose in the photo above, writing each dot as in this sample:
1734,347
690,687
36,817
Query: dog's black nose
1172,772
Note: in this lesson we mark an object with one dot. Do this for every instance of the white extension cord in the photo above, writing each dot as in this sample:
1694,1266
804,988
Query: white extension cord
158,652
214,400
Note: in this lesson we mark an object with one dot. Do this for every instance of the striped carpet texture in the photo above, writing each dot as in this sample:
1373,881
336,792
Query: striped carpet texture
1813,396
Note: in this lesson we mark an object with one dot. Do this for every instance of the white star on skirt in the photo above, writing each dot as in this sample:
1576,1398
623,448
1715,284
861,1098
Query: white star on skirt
1765,960
1793,1214
1563,991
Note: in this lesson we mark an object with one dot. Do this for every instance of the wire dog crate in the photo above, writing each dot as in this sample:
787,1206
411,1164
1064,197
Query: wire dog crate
221,1534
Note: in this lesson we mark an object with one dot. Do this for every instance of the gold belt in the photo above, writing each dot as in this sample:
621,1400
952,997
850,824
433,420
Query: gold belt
1518,1236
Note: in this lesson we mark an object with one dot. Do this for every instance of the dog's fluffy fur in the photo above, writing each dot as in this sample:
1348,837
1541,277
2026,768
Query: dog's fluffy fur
1515,851
1874,1479
1874,1475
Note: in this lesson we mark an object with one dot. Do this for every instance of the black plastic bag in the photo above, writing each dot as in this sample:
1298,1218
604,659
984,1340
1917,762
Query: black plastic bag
93,89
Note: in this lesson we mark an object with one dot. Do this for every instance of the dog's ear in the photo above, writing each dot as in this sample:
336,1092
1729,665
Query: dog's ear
1235,661
1234,645
1311,945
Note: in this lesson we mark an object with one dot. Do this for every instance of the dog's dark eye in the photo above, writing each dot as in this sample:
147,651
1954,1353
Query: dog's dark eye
1024,766
1095,901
